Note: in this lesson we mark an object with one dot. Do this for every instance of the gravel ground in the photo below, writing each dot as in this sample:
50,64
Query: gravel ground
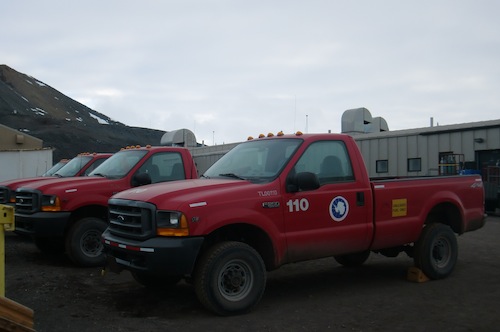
318,295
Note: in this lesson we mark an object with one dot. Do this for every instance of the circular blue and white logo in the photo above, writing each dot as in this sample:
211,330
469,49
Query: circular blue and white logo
339,208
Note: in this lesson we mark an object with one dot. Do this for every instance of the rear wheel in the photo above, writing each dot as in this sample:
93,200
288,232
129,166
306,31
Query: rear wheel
436,251
83,242
230,278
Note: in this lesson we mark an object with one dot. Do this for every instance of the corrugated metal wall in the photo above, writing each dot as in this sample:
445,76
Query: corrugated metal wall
427,145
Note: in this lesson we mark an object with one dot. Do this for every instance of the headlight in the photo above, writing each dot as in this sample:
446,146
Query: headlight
51,203
171,223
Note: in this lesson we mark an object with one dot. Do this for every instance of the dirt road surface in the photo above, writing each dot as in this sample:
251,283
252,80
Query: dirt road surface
311,296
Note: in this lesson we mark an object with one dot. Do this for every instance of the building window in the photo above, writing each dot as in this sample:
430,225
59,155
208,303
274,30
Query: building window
414,164
382,166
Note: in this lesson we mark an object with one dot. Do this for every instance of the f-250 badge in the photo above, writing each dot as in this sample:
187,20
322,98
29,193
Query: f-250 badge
339,208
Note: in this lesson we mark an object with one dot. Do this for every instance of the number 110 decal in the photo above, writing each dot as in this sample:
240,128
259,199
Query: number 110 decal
296,205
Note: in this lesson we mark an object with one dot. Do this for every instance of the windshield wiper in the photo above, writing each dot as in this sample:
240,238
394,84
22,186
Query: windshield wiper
232,175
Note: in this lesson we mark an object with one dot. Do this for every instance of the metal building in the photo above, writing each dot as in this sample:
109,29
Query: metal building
440,150
22,155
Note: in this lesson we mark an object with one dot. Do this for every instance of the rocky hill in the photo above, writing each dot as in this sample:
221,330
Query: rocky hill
67,126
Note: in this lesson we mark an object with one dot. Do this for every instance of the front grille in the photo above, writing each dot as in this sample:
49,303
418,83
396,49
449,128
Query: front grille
4,195
131,219
27,201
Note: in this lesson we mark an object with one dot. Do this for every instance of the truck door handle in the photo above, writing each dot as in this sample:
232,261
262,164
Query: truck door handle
360,198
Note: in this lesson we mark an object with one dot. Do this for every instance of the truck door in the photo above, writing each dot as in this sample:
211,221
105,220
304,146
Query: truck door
334,218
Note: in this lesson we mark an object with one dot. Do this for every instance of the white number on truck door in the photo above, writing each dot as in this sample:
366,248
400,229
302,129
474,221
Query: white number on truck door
296,205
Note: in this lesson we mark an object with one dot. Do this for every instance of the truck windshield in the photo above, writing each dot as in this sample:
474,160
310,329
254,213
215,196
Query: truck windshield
257,161
73,166
119,164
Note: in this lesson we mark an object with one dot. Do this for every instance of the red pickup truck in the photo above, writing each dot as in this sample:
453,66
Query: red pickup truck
71,213
81,165
283,199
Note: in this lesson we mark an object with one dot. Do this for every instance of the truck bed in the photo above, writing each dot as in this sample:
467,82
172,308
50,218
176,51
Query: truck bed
401,206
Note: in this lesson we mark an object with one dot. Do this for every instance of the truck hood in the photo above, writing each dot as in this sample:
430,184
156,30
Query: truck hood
187,192
56,184
16,183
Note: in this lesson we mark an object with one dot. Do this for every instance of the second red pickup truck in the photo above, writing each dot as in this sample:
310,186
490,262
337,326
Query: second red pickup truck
71,213
80,165
282,199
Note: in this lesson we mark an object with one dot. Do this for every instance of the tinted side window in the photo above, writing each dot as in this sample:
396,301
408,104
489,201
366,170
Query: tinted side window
164,166
93,166
329,160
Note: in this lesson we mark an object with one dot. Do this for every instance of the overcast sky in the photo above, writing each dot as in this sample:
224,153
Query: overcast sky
229,69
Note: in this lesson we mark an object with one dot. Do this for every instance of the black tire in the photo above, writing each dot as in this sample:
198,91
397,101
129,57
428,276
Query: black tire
153,281
49,245
436,251
354,259
230,278
83,242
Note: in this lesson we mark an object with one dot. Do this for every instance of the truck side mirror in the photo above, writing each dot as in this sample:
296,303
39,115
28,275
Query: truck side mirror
303,181
141,179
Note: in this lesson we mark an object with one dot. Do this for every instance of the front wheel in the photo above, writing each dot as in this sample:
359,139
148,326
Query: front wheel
230,278
436,251
83,242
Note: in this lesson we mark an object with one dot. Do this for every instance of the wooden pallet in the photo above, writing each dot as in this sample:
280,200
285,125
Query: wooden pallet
15,317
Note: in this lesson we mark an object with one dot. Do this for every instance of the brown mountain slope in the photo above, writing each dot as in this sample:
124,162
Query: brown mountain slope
62,123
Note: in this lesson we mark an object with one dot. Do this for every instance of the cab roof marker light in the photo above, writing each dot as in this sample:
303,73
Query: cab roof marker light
138,146
298,133
280,133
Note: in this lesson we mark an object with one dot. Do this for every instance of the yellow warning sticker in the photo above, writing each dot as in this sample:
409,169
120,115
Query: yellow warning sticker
399,207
